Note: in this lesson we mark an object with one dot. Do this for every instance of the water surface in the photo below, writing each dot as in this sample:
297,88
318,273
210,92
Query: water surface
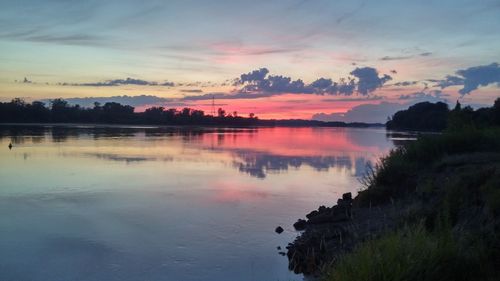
100,203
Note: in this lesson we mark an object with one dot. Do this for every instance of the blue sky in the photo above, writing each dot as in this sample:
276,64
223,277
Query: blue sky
206,45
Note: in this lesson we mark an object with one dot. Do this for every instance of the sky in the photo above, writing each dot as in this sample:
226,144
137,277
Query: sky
321,59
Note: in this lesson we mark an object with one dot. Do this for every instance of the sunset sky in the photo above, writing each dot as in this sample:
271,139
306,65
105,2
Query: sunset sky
322,59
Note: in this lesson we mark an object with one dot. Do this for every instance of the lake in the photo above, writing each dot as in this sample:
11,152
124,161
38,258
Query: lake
146,203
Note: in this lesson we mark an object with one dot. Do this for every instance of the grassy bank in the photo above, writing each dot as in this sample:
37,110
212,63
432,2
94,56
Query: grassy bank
407,167
414,253
449,185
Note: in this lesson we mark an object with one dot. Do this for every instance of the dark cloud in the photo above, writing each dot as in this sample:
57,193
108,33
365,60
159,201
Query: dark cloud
388,58
344,87
412,96
324,86
256,75
433,80
378,113
322,83
369,80
423,95
141,100
479,76
192,91
259,84
472,78
364,98
405,83
371,113
260,81
167,84
365,81
226,96
396,58
448,81
120,82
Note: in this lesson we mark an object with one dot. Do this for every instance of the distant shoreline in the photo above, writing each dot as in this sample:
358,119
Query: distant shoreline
265,124
59,112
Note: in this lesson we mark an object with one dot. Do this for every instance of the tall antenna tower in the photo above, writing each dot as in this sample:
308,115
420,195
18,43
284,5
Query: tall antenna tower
213,105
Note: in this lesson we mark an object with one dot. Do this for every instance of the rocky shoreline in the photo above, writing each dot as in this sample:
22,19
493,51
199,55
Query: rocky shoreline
430,210
329,232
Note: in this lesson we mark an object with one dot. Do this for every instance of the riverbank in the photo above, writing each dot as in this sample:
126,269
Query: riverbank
60,111
430,210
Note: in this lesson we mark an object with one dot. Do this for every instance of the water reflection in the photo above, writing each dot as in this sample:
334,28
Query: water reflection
259,164
144,203
402,137
253,152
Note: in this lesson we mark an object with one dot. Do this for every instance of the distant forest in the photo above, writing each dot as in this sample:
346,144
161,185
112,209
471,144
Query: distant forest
60,111
426,116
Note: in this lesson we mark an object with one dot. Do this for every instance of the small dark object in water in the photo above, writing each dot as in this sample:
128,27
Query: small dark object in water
279,248
10,145
282,253
279,229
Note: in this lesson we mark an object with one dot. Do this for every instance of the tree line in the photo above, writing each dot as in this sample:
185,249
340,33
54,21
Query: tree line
60,111
427,116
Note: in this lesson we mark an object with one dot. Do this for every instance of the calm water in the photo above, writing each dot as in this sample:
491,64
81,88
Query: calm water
167,204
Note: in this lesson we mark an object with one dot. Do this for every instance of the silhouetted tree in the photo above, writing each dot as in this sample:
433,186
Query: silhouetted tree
18,111
221,112
155,115
424,116
113,112
427,116
421,116
496,111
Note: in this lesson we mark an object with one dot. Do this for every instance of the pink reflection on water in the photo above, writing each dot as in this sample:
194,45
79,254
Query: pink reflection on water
296,141
233,192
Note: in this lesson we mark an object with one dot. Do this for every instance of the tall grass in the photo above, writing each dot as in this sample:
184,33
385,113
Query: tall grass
414,253
454,238
397,174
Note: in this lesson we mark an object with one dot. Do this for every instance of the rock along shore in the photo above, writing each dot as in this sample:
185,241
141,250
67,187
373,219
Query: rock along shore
330,232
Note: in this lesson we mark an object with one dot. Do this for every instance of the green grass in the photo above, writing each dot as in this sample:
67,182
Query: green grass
414,253
453,183
399,173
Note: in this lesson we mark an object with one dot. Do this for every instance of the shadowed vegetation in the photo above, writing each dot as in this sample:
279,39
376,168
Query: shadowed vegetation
399,173
447,190
414,253
426,116
60,111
